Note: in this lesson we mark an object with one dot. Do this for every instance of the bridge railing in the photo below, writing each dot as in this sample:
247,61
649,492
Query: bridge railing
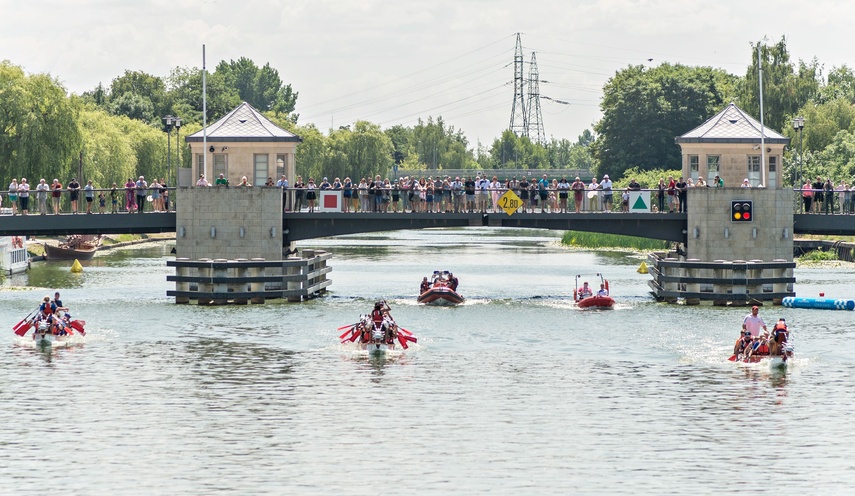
818,201
60,201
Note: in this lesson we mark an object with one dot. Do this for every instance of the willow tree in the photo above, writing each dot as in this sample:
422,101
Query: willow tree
39,133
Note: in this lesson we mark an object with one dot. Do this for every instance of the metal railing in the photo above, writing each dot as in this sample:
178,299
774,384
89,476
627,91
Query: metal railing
62,203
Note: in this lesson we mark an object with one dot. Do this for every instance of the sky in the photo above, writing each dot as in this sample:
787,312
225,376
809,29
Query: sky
394,62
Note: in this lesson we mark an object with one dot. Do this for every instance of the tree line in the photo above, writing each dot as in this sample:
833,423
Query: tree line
114,132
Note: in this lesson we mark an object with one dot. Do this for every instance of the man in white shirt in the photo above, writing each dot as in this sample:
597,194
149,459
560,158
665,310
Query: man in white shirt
202,181
283,183
753,322
606,186
42,194
482,191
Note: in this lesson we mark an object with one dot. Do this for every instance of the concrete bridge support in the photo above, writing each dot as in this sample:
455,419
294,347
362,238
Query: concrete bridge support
238,234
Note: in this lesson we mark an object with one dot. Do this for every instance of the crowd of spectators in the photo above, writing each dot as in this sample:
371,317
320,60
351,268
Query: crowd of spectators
433,194
131,197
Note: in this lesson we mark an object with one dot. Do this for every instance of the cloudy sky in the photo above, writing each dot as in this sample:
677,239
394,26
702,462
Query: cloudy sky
392,62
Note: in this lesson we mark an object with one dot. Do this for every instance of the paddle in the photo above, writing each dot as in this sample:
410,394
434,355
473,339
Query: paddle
403,340
24,328
77,325
19,324
411,339
349,328
345,327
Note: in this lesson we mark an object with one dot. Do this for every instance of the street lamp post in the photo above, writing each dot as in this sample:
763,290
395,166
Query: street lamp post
177,123
168,124
798,125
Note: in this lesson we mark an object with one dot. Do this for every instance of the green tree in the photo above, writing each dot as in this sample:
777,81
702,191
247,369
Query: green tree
440,146
134,106
644,109
784,89
39,131
402,138
186,94
840,83
140,93
260,87
822,123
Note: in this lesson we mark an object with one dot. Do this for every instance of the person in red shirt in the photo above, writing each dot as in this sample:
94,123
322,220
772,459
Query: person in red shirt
56,195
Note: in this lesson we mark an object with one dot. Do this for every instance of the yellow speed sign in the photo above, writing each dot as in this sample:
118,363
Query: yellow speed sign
510,202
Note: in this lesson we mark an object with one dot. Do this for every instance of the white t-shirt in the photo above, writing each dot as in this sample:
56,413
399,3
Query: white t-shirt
753,324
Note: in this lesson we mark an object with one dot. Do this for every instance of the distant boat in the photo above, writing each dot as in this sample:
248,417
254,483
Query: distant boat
14,258
76,247
590,300
440,291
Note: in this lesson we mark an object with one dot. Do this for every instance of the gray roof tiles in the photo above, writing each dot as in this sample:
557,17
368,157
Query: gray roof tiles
731,125
244,123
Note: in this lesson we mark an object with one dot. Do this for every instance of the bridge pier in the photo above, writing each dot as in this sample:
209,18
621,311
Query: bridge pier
751,260
232,247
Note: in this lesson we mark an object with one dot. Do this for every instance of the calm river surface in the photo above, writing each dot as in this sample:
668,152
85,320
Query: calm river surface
515,392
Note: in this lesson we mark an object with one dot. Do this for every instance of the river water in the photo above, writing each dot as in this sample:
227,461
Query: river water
514,392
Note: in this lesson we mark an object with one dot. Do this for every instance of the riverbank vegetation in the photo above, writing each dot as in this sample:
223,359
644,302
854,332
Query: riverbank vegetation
582,239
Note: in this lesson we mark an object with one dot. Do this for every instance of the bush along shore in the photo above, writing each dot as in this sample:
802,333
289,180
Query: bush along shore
582,239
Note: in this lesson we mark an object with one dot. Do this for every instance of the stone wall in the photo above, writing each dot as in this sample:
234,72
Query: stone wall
229,223
713,236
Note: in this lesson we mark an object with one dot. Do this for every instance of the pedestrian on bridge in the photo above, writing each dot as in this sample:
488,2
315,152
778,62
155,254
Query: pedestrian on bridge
141,188
41,195
578,188
828,194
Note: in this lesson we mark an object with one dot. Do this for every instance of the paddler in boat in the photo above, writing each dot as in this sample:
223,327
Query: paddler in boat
743,345
58,303
380,312
425,285
753,322
603,291
780,334
47,311
452,282
585,292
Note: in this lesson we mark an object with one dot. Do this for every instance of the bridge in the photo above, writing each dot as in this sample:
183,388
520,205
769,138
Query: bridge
302,226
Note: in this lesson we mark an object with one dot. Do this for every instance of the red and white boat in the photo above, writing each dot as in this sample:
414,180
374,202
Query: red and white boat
585,297
377,337
776,349
47,333
441,290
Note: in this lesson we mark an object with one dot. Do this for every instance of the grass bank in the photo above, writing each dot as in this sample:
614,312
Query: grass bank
582,239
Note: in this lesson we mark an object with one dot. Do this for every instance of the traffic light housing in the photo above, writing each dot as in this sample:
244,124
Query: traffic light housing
741,211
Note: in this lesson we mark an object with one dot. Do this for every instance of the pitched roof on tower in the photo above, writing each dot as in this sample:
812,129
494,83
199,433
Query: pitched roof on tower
731,125
244,123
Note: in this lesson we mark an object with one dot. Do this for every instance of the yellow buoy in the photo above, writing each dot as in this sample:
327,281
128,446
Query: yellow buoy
76,267
642,269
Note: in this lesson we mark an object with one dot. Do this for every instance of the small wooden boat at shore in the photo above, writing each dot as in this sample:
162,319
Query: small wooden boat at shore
441,291
585,298
76,247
